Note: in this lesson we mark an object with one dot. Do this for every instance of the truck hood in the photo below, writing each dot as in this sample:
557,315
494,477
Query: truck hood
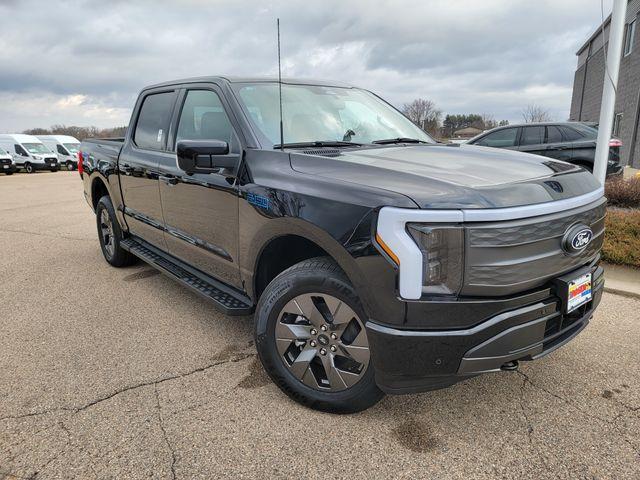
465,176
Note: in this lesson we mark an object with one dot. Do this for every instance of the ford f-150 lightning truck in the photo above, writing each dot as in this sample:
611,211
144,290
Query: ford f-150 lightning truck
374,259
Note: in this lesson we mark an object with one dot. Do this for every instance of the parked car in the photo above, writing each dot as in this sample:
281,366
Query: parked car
7,165
572,142
65,147
29,153
375,259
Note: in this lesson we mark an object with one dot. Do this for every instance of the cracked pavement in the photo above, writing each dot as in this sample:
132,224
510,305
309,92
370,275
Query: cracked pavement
121,373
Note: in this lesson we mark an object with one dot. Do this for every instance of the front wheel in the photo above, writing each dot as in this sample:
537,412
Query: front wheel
110,235
28,168
311,338
70,166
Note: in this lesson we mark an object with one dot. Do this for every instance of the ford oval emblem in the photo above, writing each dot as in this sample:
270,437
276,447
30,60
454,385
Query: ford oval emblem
577,239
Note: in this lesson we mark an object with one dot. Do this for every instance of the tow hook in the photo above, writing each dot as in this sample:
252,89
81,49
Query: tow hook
510,366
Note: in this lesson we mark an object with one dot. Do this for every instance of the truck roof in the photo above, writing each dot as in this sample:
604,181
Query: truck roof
59,138
20,138
264,79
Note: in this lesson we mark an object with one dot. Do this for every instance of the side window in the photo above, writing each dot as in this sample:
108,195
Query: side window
203,118
554,135
61,150
570,135
20,151
629,34
153,121
532,136
500,139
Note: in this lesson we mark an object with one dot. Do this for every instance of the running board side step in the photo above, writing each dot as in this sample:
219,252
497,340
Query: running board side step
226,298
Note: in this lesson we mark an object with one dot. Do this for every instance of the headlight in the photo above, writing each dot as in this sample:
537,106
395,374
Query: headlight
442,248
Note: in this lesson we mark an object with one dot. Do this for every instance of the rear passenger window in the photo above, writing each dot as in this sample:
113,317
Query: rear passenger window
554,135
203,118
532,136
570,135
499,139
153,121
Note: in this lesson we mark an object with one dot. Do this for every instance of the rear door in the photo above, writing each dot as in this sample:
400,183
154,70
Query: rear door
201,208
556,146
532,140
138,165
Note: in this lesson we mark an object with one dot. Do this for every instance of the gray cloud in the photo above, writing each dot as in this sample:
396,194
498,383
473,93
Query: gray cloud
84,61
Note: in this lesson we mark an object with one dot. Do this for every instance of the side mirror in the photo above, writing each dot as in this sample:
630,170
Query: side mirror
200,155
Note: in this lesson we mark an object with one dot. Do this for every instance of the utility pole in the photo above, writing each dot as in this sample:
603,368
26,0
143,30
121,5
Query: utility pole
607,108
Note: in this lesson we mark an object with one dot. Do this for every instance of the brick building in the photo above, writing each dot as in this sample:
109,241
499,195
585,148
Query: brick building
589,78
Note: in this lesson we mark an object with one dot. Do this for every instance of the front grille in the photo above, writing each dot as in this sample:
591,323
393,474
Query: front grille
5,161
503,258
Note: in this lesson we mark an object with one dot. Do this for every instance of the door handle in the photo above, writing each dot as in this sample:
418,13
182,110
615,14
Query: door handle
168,180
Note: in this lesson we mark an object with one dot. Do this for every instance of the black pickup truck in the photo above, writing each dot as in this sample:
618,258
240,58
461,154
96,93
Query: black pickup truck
375,259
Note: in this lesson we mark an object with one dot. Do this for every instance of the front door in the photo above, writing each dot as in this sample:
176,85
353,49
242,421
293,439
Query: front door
201,209
138,165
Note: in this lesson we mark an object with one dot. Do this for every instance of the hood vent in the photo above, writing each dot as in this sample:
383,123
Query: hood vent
323,152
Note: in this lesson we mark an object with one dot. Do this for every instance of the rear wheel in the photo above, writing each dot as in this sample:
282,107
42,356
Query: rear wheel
28,168
312,341
110,235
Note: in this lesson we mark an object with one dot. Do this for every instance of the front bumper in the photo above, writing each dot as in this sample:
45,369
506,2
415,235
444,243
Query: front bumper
44,166
409,361
11,168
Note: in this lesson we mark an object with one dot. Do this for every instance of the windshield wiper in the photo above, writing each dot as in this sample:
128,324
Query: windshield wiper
398,140
318,143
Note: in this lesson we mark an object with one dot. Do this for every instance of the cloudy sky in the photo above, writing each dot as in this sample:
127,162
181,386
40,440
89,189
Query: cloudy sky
83,62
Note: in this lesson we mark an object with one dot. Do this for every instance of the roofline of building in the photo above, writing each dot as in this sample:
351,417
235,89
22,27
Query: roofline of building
597,31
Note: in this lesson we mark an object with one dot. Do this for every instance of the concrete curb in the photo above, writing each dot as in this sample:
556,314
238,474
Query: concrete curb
622,280
622,293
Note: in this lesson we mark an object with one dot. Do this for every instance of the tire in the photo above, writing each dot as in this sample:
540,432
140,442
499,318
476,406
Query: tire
294,361
70,166
9,173
54,169
110,235
29,168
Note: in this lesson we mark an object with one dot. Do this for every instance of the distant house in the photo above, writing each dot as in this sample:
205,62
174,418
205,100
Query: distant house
468,132
589,79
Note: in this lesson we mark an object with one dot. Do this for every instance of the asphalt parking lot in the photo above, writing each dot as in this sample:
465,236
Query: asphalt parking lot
122,373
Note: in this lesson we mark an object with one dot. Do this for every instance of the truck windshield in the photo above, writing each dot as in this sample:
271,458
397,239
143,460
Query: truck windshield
36,148
323,114
73,148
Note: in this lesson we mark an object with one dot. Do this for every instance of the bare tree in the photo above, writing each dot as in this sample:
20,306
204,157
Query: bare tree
79,132
535,113
423,113
488,121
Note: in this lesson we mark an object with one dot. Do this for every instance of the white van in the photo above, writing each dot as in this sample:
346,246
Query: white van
29,153
7,165
65,146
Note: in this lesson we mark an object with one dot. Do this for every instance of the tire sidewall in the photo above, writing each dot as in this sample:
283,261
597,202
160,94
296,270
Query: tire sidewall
120,257
281,290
